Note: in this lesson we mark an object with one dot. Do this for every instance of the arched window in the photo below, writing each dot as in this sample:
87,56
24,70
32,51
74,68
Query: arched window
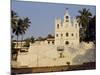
48,42
56,35
67,34
67,20
61,35
72,34
57,25
67,17
66,42
52,42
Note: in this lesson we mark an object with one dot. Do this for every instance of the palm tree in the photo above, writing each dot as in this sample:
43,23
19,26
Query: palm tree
21,27
91,31
24,26
14,19
18,29
26,22
18,25
83,19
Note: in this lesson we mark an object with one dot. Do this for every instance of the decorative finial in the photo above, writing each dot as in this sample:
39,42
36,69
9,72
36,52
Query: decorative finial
66,11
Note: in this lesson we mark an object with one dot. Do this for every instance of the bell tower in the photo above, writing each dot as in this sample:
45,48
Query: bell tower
67,19
66,16
66,31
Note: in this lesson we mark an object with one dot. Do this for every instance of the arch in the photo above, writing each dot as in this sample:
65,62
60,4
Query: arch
48,42
67,17
67,34
57,25
56,35
72,34
52,42
61,35
67,42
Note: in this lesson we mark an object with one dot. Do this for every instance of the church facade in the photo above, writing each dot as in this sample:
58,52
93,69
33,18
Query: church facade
54,51
67,31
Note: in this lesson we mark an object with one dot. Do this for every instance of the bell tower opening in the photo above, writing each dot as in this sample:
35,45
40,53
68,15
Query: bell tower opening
66,16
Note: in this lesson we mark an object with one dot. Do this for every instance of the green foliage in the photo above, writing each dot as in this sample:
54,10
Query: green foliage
14,19
32,39
91,30
84,17
87,23
19,27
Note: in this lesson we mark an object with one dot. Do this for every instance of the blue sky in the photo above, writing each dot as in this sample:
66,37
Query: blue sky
42,15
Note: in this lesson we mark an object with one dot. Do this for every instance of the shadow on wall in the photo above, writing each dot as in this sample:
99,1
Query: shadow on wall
89,56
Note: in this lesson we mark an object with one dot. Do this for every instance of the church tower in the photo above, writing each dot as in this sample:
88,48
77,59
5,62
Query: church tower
67,31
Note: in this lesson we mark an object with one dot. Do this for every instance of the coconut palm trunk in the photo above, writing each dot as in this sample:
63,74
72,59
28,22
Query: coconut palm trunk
21,42
17,40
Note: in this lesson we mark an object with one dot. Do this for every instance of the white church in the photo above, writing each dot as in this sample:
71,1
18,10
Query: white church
55,51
